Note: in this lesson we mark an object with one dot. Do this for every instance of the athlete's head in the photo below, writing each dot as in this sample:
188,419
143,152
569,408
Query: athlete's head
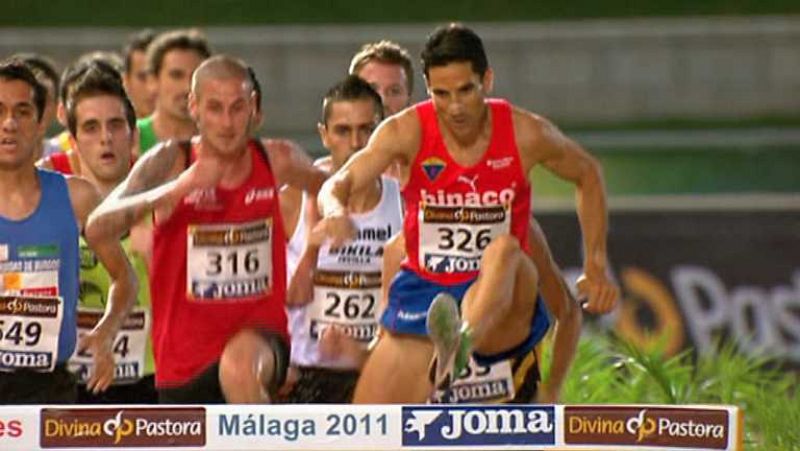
172,57
106,60
22,102
222,102
45,71
351,110
458,77
136,78
102,123
387,67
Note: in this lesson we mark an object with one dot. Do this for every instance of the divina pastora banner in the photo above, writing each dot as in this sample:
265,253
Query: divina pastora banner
376,427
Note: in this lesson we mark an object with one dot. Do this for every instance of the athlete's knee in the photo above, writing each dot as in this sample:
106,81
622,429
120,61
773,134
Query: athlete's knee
503,248
246,360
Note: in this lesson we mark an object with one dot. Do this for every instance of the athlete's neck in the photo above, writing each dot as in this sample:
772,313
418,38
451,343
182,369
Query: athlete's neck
236,167
104,187
170,127
21,192
469,141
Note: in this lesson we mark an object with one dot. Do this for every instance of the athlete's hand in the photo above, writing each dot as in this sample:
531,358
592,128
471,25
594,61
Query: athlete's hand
98,343
339,229
204,173
600,293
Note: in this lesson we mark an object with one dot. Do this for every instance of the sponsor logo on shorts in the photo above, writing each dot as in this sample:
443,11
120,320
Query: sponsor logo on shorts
479,425
695,428
10,428
122,428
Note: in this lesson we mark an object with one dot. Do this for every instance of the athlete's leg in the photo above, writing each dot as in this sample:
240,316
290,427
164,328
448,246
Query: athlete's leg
395,371
250,364
499,306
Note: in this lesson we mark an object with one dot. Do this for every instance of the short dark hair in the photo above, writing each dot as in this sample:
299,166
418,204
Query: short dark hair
190,39
14,69
387,52
94,81
256,87
41,66
454,43
105,60
350,89
137,42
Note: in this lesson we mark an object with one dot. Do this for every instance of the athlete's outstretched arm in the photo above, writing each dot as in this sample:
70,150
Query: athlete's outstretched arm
150,184
542,142
121,293
396,139
563,307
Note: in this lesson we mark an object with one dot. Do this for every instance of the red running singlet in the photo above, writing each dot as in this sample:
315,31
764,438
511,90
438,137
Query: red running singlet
453,212
219,265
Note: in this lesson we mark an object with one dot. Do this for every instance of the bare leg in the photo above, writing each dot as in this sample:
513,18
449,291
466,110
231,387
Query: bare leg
246,368
499,306
396,371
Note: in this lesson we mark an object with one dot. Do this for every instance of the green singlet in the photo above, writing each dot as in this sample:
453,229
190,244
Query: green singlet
147,134
133,350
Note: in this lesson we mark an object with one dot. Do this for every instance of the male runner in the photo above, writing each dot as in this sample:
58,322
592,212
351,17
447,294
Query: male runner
464,161
219,323
172,57
102,124
135,76
66,159
387,67
41,214
339,288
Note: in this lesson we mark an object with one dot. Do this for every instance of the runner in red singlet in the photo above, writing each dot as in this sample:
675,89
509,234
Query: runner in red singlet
218,270
464,161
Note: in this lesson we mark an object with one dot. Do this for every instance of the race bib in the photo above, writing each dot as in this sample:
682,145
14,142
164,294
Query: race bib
129,346
29,332
229,261
479,384
452,239
346,299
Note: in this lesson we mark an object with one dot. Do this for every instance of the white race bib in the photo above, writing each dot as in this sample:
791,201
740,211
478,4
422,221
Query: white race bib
129,346
480,384
452,239
346,299
229,261
29,332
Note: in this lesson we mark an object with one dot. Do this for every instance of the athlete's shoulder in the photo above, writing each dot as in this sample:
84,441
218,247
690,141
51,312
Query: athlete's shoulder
531,129
83,196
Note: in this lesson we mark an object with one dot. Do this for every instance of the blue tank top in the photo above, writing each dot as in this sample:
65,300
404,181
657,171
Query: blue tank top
39,255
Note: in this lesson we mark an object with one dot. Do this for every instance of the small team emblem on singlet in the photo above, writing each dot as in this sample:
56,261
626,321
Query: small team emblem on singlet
433,166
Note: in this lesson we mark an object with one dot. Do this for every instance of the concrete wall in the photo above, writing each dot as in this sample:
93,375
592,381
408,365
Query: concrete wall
593,71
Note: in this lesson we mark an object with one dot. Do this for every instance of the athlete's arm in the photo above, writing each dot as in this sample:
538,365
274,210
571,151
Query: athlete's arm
397,138
121,293
563,307
542,142
151,184
301,285
292,166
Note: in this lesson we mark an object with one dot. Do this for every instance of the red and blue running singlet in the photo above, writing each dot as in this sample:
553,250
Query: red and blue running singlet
453,212
219,265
